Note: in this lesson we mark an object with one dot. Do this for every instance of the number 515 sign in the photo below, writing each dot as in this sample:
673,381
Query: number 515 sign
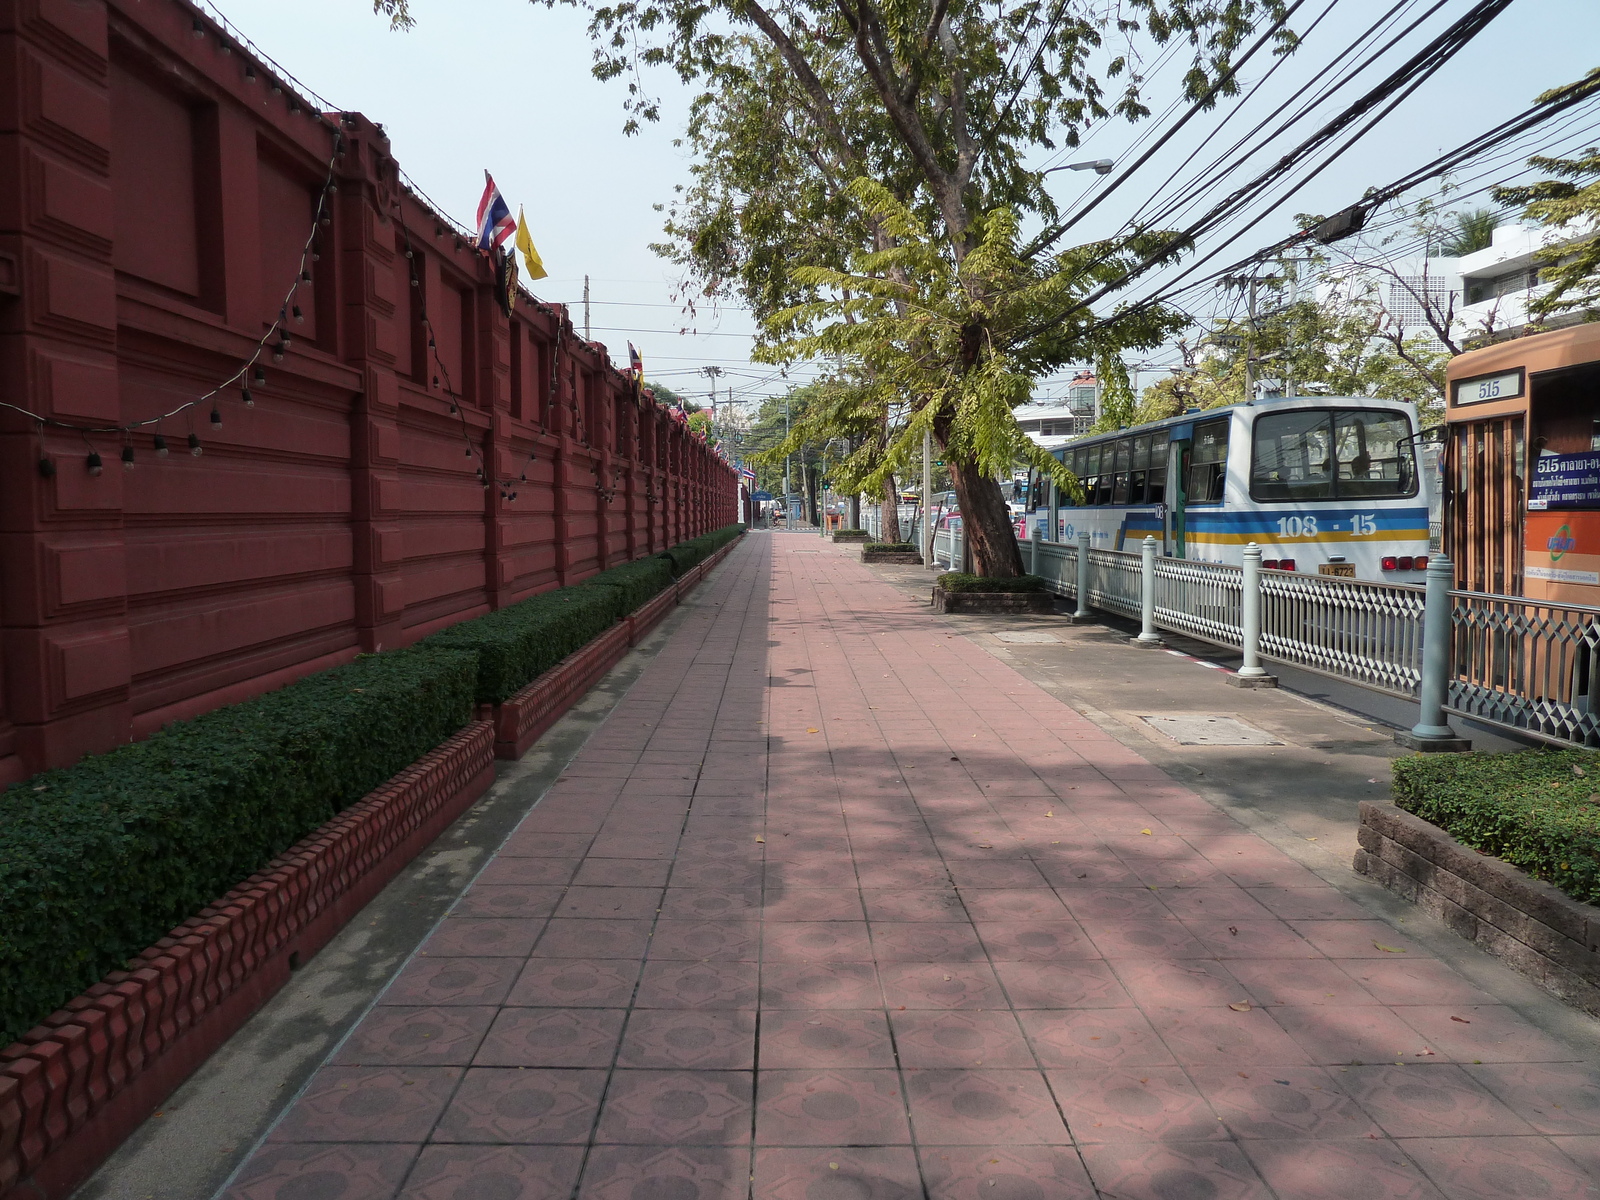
1489,388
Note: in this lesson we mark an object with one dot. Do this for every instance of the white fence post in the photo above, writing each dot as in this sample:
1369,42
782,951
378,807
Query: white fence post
1251,674
1083,613
1432,731
1033,551
1148,638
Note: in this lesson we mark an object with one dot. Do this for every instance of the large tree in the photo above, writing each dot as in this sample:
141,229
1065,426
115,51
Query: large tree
943,108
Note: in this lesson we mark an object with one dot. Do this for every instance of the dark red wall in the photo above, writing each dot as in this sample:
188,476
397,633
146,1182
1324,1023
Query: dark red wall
153,202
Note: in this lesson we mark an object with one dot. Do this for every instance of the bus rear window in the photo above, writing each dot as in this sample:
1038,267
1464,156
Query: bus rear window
1320,454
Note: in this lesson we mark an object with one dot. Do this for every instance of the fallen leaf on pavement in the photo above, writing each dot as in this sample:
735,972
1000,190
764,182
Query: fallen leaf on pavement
1463,1020
1146,831
1388,949
813,731
1241,1006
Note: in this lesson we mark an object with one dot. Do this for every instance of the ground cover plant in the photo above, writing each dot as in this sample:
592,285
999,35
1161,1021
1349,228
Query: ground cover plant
961,581
890,548
1536,809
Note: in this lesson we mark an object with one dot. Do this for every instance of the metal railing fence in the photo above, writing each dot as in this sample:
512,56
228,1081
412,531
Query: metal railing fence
1525,665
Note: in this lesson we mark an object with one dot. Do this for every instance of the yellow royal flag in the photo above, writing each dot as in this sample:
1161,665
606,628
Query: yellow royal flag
525,244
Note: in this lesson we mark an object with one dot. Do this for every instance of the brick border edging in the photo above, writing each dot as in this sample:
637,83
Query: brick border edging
991,602
73,1088
524,718
1533,927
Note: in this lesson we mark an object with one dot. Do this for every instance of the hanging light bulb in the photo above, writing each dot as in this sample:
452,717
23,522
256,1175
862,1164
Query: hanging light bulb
93,462
305,276
249,400
299,317
127,458
261,377
199,28
250,72
194,445
216,417
468,453
277,354
161,446
46,467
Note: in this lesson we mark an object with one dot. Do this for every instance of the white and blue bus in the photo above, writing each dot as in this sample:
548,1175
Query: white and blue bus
1322,484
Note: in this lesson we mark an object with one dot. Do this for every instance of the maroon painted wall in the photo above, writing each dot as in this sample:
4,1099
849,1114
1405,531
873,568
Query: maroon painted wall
156,186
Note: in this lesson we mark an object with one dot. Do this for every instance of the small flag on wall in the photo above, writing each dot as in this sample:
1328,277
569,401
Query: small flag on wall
635,364
530,256
495,225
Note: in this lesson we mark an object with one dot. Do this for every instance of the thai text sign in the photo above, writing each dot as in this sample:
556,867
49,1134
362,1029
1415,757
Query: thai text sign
1565,481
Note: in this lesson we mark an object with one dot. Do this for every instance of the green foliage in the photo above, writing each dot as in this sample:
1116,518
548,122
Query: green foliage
890,547
850,532
100,859
637,581
516,644
685,555
1470,231
1536,809
1570,199
957,581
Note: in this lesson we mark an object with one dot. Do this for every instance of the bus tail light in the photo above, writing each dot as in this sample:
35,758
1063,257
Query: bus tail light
1420,563
1390,563
1286,564
1269,564
1406,562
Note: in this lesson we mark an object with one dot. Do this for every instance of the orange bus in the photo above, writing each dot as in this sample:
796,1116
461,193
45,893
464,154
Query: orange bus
1521,467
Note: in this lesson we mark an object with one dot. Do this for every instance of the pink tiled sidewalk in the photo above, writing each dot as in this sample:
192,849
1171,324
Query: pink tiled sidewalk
836,906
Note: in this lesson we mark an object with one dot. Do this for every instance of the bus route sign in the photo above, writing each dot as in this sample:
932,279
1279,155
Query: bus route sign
1564,481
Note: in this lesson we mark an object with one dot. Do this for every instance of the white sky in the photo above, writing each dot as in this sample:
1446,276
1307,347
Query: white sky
505,84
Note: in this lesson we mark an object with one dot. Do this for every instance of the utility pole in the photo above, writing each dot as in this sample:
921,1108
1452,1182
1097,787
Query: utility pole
712,373
586,309
927,498
788,491
1250,345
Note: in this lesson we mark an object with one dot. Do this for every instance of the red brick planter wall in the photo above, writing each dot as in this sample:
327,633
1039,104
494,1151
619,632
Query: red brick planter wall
74,1087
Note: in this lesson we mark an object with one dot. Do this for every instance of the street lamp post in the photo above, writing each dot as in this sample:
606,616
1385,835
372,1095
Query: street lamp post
1100,166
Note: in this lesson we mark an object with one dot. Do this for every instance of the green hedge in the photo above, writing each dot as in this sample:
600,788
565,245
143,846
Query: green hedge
1536,809
891,547
685,555
99,860
958,581
638,581
516,644
850,532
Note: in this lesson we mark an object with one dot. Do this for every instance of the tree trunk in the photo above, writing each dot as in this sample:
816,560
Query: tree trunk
891,510
986,523
812,474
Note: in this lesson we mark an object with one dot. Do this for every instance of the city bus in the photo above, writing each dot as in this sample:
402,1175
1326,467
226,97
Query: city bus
1522,467
1324,485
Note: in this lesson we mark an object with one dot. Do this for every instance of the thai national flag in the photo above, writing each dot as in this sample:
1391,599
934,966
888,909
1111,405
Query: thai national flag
495,222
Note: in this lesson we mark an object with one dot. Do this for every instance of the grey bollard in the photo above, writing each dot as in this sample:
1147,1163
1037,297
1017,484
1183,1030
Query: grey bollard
1432,731
1251,674
1148,638
1084,541
1033,550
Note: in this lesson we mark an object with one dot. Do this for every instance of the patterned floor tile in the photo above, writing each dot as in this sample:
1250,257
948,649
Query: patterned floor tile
528,872
611,903
1014,904
959,1039
809,1038
1484,1033
491,1172
1494,1168
484,900
622,872
1004,1173
1215,1170
835,1105
677,1108
670,1173
846,1173
1431,1100
1165,939
1414,981
1002,1107
1092,1038
820,985
1552,1097
1035,941
350,1172
1372,1169
368,1104
692,1040
730,874
594,939
1133,1104
732,941
453,981
1282,1102
1308,983
815,941
917,904
470,937
926,941
395,1035
941,985
677,984
575,983
710,904
1359,1034
516,1106
1204,1037
1357,939
552,1037
1076,984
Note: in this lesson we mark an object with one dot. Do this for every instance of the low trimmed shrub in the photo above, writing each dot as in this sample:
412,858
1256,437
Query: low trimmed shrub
959,581
850,532
890,547
1536,809
516,644
100,859
686,555
638,581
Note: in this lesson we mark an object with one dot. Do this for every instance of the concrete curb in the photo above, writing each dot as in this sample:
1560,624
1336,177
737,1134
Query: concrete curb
76,1085
1536,929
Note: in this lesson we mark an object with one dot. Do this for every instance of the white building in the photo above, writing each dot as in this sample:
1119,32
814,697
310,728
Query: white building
1072,415
1499,282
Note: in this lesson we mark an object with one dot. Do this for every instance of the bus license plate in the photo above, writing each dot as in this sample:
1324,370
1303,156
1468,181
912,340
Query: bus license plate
1346,570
